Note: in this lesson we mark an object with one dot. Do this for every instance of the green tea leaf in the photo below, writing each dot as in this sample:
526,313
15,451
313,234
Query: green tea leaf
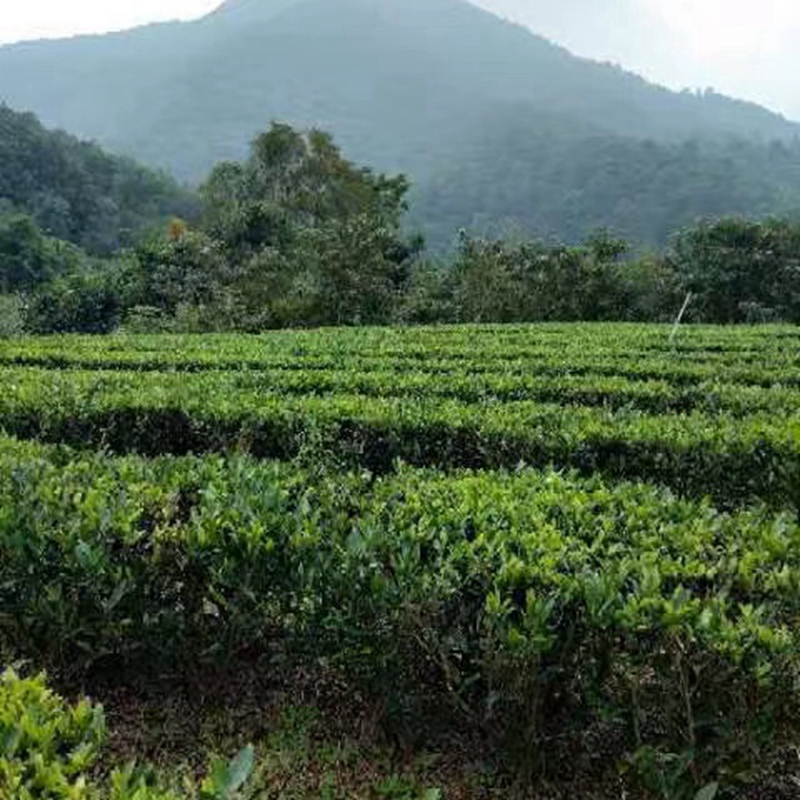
708,792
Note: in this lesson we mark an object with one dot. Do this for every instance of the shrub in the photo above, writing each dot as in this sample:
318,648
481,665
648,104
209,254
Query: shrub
47,747
49,750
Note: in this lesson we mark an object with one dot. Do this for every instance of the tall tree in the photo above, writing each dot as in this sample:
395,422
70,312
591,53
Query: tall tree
315,239
741,270
28,257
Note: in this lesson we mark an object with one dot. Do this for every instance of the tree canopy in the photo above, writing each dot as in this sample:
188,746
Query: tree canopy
77,192
298,235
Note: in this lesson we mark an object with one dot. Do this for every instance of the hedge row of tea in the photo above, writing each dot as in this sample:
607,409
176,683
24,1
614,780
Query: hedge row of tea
730,454
567,390
553,534
526,600
773,346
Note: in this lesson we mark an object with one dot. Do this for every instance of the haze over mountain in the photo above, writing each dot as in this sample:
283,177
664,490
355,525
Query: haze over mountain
421,86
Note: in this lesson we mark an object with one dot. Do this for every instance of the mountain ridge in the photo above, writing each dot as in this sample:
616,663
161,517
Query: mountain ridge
401,85
493,60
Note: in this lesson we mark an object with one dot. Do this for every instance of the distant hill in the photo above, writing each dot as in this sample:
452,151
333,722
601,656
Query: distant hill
523,174
77,192
402,84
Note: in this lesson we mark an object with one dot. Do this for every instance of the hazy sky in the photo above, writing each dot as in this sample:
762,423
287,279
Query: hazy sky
745,48
33,19
739,47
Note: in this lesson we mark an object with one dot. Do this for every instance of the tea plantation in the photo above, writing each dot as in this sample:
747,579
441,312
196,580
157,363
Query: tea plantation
578,545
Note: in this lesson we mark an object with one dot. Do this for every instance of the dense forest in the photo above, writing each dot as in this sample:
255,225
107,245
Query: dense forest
496,127
556,181
297,235
75,191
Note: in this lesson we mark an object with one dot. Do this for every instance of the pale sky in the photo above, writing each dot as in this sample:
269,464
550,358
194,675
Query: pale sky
37,19
740,47
743,48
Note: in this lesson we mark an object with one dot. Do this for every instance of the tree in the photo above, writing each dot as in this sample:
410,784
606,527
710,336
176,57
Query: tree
358,269
185,267
28,257
76,192
77,303
429,296
740,270
310,237
529,281
293,180
23,260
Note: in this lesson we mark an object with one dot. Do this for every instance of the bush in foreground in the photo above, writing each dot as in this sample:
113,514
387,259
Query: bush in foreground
532,605
50,750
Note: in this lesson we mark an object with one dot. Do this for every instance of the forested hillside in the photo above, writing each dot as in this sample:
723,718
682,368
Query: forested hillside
76,192
488,120
297,235
560,182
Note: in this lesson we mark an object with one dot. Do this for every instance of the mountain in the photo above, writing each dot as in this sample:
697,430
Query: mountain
76,192
402,84
523,175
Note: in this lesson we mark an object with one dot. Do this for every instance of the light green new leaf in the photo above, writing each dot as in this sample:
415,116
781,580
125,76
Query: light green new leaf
708,792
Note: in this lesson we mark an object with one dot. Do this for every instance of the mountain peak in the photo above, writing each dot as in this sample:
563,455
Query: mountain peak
401,84
251,9
240,6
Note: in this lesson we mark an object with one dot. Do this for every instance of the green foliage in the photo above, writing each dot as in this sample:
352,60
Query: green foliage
309,238
740,270
11,323
76,192
359,270
226,779
499,281
186,268
555,180
525,604
298,236
293,179
146,319
499,593
47,749
737,271
701,423
669,775
22,259
398,788
85,302
29,258
560,144
429,297
653,290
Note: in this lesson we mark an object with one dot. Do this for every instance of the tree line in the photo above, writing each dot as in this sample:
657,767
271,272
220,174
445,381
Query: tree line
298,236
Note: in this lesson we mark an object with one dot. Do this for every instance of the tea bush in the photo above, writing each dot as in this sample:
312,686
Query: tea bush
49,750
523,601
552,534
